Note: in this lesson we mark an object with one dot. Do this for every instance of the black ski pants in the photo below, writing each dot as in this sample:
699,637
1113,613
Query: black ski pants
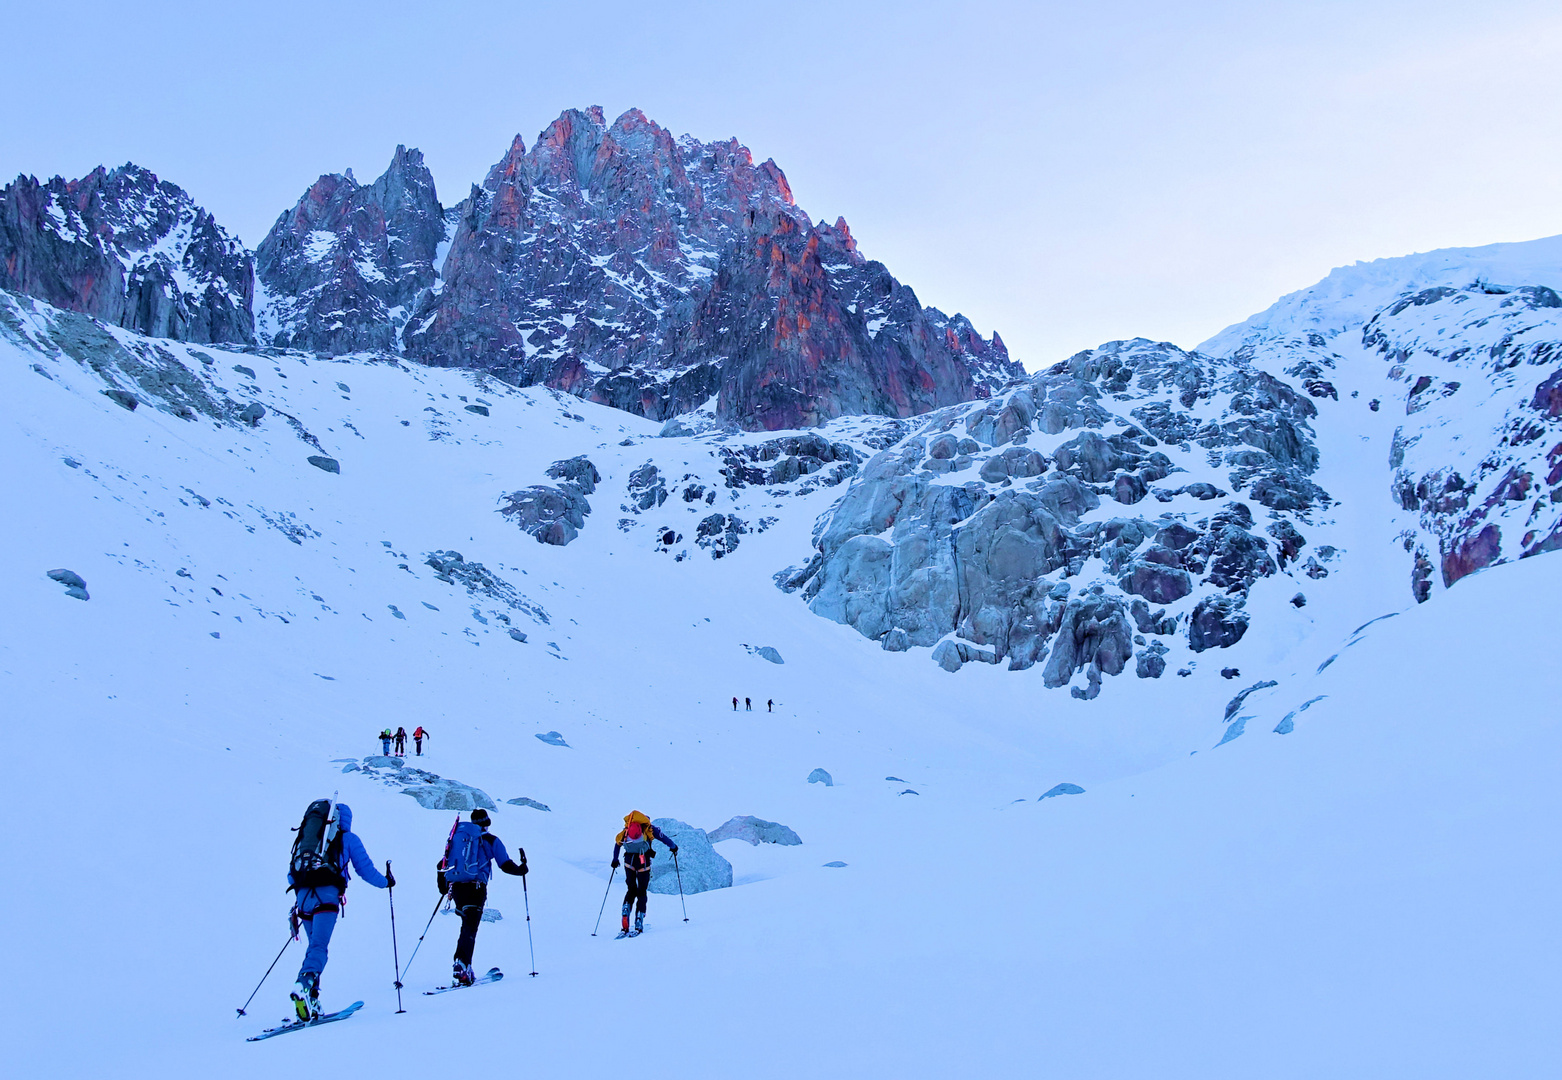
638,880
470,898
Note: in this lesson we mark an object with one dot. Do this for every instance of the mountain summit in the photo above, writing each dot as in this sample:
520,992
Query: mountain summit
611,261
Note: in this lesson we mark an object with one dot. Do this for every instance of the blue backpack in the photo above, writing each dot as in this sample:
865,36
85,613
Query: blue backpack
466,856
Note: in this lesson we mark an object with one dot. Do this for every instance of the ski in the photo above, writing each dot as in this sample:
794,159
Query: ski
628,933
299,1025
493,976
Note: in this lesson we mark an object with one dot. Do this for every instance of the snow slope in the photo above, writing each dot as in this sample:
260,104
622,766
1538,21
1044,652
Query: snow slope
1365,896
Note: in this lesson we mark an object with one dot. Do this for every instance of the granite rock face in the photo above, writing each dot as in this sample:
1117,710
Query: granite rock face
652,274
611,261
340,271
978,522
130,249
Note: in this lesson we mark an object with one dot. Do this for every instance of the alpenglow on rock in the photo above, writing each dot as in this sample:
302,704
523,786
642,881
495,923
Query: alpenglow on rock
654,274
129,249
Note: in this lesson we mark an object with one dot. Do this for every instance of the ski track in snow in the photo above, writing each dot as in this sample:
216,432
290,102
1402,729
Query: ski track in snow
1369,895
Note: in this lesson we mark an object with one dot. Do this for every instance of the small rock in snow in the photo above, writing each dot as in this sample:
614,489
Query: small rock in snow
553,738
533,803
328,464
819,776
1062,789
837,863
75,584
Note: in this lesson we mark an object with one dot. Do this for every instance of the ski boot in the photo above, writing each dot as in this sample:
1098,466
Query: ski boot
462,974
306,996
639,924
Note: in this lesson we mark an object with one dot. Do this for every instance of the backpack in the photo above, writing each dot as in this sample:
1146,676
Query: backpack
317,849
466,856
638,852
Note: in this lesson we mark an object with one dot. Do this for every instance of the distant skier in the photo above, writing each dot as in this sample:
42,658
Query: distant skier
770,705
385,741
635,843
748,705
734,704
401,741
417,738
464,873
318,877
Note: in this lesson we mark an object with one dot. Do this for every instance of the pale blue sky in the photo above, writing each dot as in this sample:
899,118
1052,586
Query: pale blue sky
1063,173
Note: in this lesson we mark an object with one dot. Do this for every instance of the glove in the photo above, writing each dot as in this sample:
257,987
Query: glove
523,868
614,864
675,851
390,878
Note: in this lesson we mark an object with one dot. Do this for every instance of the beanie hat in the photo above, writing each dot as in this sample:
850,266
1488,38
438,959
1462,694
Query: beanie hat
480,816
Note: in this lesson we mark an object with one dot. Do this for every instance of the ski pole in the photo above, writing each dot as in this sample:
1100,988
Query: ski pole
603,908
395,957
267,975
419,945
680,887
530,944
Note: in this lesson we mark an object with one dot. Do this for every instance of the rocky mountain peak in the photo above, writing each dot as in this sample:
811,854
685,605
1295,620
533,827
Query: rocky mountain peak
130,249
655,274
340,270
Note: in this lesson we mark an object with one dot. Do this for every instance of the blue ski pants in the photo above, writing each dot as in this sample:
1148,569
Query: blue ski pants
385,747
318,930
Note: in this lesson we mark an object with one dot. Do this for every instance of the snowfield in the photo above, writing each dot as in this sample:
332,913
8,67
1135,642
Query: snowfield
1370,894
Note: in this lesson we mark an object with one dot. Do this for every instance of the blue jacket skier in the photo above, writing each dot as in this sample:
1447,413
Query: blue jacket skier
317,907
464,873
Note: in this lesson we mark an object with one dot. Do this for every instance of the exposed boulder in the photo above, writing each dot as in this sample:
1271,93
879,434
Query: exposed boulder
700,867
553,515
1217,623
578,471
755,831
75,584
819,776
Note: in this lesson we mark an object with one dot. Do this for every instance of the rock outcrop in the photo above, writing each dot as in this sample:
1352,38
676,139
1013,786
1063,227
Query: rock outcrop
974,523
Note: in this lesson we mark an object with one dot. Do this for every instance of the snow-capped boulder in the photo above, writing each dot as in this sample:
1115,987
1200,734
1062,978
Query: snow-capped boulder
701,867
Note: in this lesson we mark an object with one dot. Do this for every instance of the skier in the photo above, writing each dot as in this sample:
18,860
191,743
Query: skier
635,842
734,704
401,741
385,741
417,737
748,705
463,874
318,897
770,705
